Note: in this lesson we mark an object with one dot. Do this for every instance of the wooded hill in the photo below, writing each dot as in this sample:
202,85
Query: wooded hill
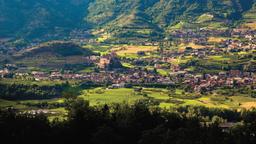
119,18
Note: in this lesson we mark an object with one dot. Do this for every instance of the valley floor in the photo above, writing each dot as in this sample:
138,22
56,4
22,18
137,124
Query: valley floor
155,97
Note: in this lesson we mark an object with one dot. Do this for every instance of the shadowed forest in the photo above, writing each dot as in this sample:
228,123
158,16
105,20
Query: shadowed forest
128,124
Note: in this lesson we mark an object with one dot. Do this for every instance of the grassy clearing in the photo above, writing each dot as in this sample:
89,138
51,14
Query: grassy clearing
101,96
163,72
205,18
50,101
219,58
128,65
103,37
144,31
179,25
87,70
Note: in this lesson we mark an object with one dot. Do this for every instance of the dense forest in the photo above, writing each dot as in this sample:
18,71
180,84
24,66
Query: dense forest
129,124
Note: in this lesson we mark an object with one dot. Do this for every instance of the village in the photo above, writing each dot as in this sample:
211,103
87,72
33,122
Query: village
109,69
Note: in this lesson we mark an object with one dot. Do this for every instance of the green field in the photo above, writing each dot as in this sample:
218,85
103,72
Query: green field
24,104
159,97
100,96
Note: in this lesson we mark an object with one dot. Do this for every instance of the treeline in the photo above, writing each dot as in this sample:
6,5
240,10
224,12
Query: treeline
137,124
27,91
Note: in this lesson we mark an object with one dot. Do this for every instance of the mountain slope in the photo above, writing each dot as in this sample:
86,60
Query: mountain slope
119,18
249,18
149,19
33,18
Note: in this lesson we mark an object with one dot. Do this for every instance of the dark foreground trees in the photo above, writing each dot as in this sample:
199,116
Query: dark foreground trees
123,124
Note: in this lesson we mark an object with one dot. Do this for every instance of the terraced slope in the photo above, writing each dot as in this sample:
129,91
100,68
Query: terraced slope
131,19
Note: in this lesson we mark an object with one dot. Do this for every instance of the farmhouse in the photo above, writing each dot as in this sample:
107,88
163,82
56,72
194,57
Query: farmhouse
114,86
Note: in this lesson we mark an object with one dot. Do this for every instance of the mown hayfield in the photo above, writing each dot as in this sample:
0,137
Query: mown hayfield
251,25
216,39
130,50
245,102
249,105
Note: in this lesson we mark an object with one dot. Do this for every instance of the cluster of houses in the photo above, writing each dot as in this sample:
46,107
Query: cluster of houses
140,75
133,76
208,82
199,33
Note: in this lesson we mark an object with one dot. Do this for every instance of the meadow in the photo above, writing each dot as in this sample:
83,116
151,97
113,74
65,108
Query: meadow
154,97
164,98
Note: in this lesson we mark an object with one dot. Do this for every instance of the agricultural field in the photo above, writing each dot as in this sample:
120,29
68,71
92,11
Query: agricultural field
251,25
216,39
101,96
37,106
156,97
132,51
183,46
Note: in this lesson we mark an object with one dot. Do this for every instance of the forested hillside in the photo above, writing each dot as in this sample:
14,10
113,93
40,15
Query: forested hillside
34,18
119,18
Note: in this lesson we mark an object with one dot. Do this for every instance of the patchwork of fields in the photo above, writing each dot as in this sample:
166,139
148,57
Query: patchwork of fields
155,97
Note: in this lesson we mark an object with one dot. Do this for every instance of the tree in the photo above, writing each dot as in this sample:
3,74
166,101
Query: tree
106,135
